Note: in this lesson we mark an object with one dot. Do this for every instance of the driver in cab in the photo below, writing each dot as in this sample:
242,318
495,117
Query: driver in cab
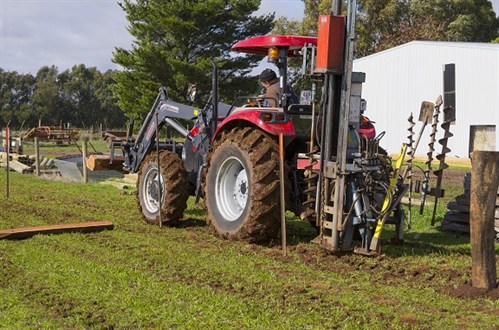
269,81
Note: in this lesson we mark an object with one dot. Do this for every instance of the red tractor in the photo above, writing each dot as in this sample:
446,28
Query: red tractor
230,157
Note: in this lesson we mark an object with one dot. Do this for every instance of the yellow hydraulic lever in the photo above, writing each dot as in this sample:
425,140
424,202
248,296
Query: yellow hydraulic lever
386,208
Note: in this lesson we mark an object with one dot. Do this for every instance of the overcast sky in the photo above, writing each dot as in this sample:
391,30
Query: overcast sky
64,33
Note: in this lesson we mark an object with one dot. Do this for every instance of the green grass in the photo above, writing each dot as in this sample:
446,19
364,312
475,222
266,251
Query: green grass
50,149
140,276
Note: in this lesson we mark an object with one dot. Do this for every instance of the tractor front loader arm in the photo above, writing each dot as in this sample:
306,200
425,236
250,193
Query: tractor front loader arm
166,111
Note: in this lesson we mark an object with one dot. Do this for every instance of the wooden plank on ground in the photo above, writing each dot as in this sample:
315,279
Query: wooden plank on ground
84,227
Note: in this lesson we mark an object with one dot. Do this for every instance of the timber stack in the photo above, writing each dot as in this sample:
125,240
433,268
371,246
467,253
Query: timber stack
25,163
19,163
458,211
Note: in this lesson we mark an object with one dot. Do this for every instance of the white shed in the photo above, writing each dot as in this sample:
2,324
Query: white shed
400,78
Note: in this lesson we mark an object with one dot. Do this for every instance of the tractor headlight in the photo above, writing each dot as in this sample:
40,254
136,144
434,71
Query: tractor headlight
274,117
266,117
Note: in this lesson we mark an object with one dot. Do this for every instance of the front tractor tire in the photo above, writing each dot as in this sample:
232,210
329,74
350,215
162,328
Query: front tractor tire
174,185
242,186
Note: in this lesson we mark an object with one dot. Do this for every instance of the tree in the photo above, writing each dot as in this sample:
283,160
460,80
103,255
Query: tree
383,24
174,44
46,97
87,98
81,96
15,97
111,115
465,20
286,26
314,8
79,88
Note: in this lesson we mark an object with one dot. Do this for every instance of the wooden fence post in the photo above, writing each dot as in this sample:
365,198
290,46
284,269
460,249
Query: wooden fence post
37,156
7,152
84,156
282,194
484,183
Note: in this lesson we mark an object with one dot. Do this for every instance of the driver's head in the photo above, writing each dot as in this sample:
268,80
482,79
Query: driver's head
268,77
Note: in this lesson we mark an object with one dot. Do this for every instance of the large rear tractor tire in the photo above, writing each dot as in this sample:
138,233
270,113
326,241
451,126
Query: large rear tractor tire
174,188
242,186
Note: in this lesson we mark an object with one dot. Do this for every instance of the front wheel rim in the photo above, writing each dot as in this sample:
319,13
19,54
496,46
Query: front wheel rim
231,189
152,191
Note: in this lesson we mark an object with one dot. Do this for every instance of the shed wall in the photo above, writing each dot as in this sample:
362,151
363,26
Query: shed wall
399,79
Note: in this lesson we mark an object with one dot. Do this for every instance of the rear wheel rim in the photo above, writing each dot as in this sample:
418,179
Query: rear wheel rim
152,191
231,190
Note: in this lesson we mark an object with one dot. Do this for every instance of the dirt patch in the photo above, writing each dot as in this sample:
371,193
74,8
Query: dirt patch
468,292
60,153
446,279
449,176
410,320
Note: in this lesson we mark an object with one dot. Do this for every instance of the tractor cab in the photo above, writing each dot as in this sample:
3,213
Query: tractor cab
288,117
278,48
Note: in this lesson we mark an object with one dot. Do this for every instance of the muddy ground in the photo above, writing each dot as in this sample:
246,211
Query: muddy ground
382,268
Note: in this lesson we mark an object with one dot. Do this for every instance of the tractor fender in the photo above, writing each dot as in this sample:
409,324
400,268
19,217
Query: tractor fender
242,118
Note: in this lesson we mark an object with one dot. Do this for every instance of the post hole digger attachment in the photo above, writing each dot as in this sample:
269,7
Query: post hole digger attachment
358,190
430,111
425,116
449,117
433,136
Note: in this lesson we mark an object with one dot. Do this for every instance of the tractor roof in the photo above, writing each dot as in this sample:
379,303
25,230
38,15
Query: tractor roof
260,45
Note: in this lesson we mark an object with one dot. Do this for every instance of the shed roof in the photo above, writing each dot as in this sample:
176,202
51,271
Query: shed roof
448,44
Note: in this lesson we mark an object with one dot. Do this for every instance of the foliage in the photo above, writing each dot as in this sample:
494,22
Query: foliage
175,42
382,24
15,96
46,98
80,96
388,23
314,8
284,26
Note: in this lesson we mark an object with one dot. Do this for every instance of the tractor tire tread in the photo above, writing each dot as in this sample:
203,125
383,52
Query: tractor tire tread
176,192
262,222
